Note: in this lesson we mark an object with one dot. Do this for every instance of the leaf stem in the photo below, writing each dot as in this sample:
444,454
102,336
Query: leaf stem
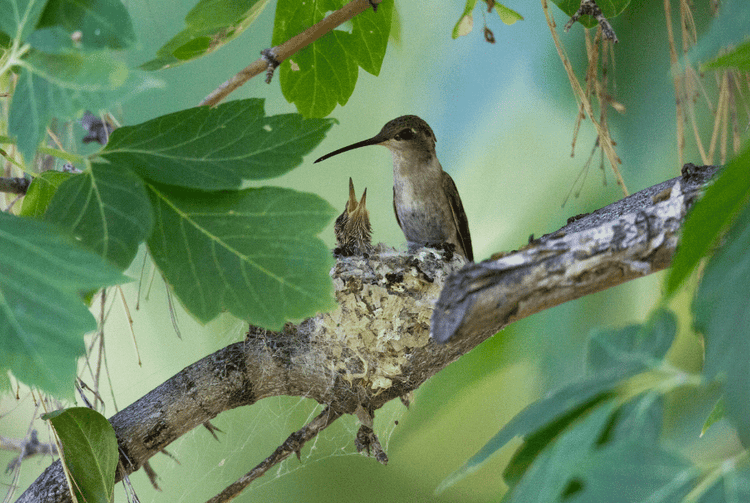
13,57
726,466
65,156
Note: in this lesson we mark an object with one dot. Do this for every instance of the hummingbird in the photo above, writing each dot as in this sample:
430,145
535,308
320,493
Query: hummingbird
352,227
425,199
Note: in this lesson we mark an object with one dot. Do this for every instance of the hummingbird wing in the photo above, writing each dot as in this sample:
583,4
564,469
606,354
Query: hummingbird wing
395,210
459,215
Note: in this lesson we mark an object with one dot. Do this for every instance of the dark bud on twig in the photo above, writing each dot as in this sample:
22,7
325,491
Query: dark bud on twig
269,56
590,8
69,168
489,36
367,440
97,129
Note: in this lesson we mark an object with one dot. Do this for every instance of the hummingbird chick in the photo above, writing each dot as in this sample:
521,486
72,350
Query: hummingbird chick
352,227
425,198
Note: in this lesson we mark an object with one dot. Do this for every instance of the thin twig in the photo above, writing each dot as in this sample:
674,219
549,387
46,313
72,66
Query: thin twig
27,447
170,307
130,323
678,83
604,139
275,55
291,445
721,110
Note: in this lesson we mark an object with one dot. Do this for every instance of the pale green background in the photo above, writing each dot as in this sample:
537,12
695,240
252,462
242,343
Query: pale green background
503,115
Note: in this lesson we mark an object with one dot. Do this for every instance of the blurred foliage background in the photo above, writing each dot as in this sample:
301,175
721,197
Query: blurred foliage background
504,117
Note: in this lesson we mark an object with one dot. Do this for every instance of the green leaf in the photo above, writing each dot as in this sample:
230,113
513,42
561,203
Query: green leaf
551,472
717,414
465,23
251,252
610,9
215,148
507,15
639,419
325,72
60,86
368,40
89,452
101,23
728,29
540,423
40,193
613,357
732,485
107,208
722,315
634,348
42,273
590,463
53,40
395,34
210,25
630,471
738,58
709,218
18,18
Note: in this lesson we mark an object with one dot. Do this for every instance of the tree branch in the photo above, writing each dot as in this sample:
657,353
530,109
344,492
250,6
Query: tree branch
26,447
376,345
271,58
14,185
628,239
292,445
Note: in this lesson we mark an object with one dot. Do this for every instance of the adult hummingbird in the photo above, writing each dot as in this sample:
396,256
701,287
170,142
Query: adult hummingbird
352,227
425,198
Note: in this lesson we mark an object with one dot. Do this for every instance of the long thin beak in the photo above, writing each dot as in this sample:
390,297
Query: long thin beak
375,140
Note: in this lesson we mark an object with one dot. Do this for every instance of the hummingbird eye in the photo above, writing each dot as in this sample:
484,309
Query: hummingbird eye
406,134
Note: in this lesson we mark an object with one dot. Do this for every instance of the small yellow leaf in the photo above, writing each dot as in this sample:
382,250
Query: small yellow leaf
507,16
464,26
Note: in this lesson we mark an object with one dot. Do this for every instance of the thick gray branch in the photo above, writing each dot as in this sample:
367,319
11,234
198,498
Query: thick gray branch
376,346
628,239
